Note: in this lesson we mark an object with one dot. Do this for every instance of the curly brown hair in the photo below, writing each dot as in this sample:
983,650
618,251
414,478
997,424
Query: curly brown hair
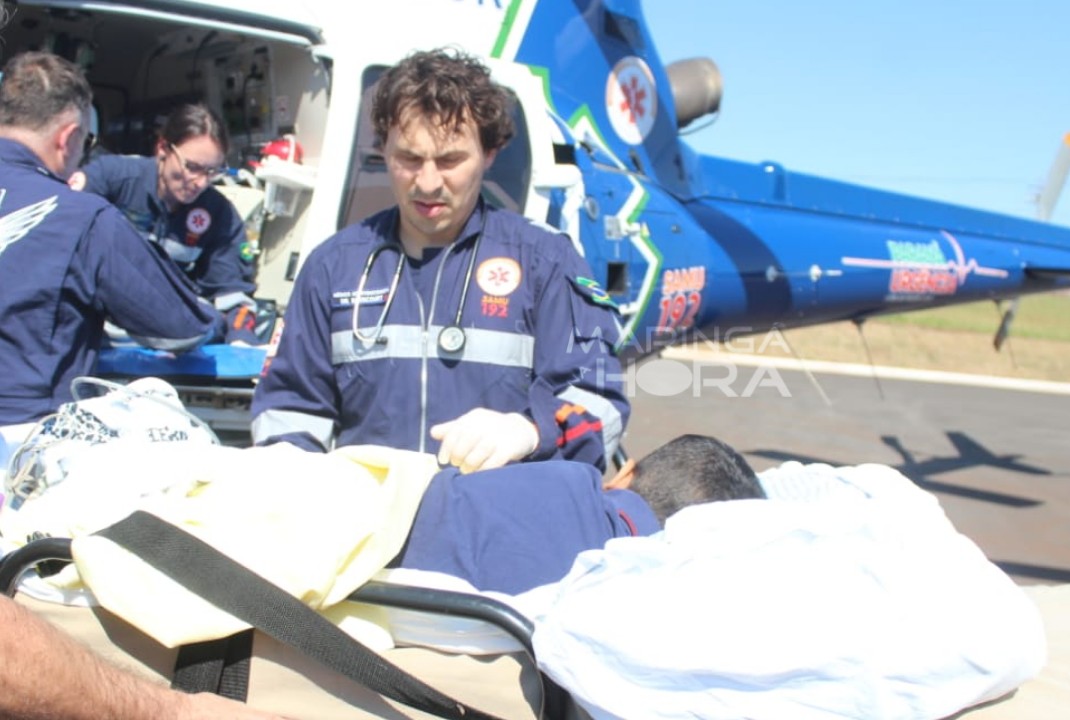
449,86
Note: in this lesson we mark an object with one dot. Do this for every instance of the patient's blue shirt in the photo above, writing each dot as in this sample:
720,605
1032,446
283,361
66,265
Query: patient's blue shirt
519,526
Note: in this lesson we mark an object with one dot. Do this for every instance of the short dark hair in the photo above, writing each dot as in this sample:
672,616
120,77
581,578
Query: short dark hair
693,469
449,86
194,120
38,87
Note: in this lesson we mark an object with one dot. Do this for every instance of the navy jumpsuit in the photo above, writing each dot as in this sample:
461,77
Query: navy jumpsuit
68,260
539,341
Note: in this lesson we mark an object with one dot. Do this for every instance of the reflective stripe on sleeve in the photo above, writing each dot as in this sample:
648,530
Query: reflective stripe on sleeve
603,409
405,342
282,422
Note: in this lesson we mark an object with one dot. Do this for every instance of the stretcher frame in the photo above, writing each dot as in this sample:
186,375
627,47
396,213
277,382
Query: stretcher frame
555,702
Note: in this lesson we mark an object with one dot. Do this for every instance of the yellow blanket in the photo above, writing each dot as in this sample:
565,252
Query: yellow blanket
318,526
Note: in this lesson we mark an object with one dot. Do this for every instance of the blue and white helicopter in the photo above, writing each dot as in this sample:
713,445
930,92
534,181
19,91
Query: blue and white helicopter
686,244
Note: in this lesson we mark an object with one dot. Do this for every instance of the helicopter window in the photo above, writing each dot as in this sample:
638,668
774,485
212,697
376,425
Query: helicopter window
624,29
504,185
616,278
564,154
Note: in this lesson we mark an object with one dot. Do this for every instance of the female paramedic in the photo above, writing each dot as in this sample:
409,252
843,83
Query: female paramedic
442,324
169,200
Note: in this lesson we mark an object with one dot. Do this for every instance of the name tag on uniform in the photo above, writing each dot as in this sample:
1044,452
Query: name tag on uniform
345,298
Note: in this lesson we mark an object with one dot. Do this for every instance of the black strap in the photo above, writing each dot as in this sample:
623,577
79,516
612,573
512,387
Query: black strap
230,586
237,659
216,666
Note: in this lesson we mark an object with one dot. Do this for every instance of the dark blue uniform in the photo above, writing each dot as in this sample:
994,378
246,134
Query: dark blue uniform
206,238
539,341
67,261
517,527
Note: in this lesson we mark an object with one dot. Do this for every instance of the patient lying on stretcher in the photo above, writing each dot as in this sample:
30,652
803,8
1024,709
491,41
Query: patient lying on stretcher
818,592
521,526
850,581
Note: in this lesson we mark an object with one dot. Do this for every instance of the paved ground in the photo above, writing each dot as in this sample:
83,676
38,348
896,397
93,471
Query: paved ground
998,459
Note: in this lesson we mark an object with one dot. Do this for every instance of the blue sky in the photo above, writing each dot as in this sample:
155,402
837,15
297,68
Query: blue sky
961,101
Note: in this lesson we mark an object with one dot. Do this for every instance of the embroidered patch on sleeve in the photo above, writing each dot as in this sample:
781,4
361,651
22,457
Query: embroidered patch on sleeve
589,288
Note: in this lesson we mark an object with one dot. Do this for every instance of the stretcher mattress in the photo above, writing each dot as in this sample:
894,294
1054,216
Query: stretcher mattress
284,682
507,685
217,362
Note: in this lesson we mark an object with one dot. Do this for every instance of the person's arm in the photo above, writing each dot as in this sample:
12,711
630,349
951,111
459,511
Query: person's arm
143,292
46,675
577,399
577,408
297,400
224,271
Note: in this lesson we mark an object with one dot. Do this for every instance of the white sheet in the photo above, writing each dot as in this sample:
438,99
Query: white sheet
857,601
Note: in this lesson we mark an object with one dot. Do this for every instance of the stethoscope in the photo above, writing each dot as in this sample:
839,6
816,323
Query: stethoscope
451,338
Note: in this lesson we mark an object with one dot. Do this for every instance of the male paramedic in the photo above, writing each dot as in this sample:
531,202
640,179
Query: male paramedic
68,260
444,324
169,199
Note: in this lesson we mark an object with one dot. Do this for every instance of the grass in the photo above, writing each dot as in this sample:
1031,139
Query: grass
957,339
1042,317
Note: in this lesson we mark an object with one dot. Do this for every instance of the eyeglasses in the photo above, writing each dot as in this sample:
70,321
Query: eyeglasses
88,144
195,169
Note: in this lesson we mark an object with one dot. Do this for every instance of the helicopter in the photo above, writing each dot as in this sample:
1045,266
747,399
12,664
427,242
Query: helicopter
687,245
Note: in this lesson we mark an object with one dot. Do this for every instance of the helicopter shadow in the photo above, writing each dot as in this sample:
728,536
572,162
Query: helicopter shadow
970,454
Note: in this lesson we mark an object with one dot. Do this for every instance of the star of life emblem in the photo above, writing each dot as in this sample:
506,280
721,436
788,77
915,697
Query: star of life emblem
631,99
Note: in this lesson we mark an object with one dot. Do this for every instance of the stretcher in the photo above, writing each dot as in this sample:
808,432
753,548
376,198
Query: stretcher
507,686
928,638
214,382
1048,694
285,681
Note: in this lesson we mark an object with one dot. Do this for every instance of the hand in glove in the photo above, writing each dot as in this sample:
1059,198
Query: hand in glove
482,439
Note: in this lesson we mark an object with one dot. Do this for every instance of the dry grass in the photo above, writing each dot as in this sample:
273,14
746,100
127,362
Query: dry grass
953,339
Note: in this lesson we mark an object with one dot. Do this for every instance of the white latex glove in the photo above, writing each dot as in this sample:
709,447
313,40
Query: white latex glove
482,439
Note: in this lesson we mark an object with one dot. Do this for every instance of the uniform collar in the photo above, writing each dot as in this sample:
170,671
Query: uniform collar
633,512
149,179
474,226
14,152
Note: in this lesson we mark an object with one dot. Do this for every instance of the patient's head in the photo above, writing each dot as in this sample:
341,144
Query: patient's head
690,470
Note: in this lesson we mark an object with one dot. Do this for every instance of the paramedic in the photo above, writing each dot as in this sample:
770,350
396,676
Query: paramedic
68,260
518,527
444,324
46,674
169,199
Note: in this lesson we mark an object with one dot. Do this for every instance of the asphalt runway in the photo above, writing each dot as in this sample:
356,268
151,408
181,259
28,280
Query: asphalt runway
998,459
